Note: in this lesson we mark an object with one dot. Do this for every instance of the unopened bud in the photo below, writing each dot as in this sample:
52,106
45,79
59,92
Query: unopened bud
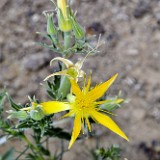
21,115
78,30
37,113
64,21
70,98
51,28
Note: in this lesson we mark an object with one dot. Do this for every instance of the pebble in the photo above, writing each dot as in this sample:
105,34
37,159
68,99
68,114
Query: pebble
139,114
142,8
95,28
12,71
133,52
35,18
35,61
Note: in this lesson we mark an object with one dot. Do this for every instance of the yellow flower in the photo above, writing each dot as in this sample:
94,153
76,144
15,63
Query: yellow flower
83,106
73,70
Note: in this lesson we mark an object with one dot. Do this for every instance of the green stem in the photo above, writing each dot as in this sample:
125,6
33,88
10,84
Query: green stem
64,88
33,147
22,153
65,85
67,40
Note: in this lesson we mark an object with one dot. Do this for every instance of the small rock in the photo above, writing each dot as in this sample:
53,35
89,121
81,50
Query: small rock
139,114
142,8
155,55
35,18
36,61
10,73
112,39
95,28
133,52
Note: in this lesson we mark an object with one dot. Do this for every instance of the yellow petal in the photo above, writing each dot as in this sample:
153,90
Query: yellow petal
70,113
54,107
61,73
75,88
76,129
88,123
99,90
67,62
109,123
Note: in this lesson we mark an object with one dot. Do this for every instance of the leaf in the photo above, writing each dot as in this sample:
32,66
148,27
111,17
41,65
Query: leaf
112,153
112,104
57,132
15,106
44,151
47,46
2,98
44,35
24,124
8,155
31,157
52,87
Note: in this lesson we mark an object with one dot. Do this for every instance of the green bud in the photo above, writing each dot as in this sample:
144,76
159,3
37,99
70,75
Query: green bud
112,104
37,113
78,30
21,115
64,21
71,98
51,28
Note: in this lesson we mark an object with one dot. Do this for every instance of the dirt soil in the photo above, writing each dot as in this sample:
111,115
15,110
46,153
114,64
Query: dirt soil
131,31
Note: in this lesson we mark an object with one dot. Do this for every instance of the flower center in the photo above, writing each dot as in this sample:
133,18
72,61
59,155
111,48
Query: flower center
83,105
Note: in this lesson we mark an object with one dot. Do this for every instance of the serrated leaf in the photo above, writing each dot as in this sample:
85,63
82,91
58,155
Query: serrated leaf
112,153
15,106
57,132
24,124
47,46
50,93
44,151
2,98
44,35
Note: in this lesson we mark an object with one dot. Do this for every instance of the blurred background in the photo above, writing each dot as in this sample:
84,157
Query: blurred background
131,32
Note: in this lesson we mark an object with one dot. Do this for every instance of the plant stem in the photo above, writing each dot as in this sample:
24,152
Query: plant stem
67,40
22,153
64,88
33,147
65,85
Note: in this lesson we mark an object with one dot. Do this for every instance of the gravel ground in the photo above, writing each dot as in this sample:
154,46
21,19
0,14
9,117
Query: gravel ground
131,32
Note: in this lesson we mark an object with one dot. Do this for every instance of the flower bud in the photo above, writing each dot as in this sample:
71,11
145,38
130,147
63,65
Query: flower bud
37,113
78,30
51,28
21,115
64,21
71,98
